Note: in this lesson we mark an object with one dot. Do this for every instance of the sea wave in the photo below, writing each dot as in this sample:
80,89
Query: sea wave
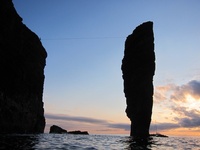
93,142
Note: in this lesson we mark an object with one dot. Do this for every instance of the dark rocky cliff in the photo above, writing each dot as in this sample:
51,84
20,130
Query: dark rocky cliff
22,62
138,67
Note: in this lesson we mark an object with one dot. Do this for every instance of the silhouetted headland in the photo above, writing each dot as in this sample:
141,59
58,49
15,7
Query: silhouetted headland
22,62
59,130
138,67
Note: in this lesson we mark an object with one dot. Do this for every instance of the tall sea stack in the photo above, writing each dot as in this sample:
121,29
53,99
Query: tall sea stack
138,67
22,62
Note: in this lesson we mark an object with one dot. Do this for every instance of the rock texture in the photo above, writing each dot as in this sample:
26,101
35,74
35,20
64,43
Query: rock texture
22,62
138,67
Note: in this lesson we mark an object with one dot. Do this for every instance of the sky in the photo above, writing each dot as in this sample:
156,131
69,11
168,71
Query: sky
83,87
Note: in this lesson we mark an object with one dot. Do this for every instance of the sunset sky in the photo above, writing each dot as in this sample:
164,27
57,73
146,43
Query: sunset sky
85,39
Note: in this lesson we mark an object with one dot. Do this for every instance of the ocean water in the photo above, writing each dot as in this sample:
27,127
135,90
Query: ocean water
94,142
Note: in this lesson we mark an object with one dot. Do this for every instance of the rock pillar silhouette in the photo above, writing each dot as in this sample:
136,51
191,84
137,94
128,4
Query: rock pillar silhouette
22,62
138,67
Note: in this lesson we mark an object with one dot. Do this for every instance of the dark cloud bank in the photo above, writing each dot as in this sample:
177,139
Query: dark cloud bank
191,118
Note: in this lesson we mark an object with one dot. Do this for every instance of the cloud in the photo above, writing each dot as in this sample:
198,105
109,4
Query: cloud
75,118
183,102
189,119
87,120
177,93
192,88
102,125
164,126
182,112
153,127
124,126
185,115
195,88
162,92
190,122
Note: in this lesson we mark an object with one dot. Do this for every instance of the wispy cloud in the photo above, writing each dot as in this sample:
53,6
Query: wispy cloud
164,126
162,92
80,119
109,125
124,126
79,122
153,127
75,118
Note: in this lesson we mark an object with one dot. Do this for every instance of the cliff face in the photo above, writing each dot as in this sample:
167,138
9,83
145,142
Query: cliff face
22,62
138,66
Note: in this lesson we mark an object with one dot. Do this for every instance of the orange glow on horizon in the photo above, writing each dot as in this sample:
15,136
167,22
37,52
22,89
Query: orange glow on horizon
181,132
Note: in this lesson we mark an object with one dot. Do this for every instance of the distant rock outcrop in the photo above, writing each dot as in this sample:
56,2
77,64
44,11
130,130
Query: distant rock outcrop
57,129
78,132
158,135
138,67
22,62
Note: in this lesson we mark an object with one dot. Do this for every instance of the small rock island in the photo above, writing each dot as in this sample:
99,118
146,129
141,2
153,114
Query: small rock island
59,130
22,62
138,67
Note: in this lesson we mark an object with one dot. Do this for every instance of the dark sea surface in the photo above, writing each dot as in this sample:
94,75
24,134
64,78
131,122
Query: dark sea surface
94,142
